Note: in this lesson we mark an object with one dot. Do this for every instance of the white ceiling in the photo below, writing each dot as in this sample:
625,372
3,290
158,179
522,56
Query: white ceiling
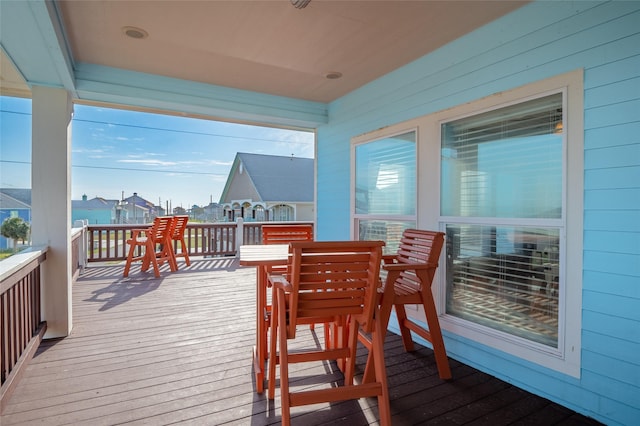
268,46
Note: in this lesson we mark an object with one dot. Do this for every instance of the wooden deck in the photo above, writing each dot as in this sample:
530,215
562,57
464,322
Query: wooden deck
178,350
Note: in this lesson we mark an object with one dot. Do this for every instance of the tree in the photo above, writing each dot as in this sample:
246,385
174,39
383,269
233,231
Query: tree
16,229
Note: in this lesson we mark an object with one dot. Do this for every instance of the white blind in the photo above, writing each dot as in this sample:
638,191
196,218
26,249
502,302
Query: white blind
505,163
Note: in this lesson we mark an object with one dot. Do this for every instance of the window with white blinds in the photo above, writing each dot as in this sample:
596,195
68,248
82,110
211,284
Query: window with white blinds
385,188
502,209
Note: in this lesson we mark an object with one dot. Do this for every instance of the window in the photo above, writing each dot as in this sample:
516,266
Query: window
513,257
505,164
283,213
384,202
502,176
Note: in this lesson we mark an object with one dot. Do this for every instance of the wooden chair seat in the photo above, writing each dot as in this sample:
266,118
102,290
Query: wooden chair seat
328,282
154,243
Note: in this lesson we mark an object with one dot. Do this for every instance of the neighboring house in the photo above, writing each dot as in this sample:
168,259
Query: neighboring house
14,203
95,211
213,212
139,210
269,188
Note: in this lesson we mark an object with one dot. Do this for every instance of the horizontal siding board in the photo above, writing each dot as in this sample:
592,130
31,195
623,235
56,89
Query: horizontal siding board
614,242
622,349
622,285
615,156
611,115
611,220
618,263
613,199
623,371
624,177
620,91
609,136
623,306
623,69
615,390
617,327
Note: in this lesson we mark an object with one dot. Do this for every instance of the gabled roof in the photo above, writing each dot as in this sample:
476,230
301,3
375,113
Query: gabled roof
97,203
277,178
7,202
22,195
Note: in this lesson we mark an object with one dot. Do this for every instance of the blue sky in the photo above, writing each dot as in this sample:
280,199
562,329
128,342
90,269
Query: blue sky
163,158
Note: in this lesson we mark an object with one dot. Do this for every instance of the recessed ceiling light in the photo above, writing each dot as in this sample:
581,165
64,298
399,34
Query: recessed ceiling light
135,32
333,75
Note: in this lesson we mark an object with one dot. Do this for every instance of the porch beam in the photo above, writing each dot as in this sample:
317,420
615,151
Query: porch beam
100,84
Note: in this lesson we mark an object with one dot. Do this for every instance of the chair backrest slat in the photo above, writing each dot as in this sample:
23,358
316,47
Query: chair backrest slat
161,228
284,234
180,224
332,278
419,246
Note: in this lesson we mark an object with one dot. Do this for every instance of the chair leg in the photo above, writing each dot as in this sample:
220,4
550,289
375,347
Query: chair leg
273,357
436,339
349,368
185,252
377,348
384,314
407,341
127,266
150,258
284,362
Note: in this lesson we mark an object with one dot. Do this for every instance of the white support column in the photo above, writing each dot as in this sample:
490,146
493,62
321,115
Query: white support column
51,202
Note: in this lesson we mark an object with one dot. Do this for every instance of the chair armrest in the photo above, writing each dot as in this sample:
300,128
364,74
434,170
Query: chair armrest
408,266
135,233
388,258
278,281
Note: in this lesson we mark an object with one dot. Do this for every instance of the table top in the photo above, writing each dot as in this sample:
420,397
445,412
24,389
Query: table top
264,254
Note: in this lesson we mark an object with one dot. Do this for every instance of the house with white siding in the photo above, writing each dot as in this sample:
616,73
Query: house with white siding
269,188
518,137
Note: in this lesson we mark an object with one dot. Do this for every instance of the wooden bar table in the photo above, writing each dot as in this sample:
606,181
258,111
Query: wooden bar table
262,257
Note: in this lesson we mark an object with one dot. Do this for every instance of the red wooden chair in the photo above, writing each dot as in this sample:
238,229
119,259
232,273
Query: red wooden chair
285,234
410,273
328,281
155,243
177,237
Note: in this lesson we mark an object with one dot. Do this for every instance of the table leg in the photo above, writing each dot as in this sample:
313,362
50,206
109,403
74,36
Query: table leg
260,350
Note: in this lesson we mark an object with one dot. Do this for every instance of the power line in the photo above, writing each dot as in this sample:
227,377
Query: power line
127,169
136,126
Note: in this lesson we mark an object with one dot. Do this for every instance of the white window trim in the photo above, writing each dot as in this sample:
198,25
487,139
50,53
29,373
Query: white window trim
566,359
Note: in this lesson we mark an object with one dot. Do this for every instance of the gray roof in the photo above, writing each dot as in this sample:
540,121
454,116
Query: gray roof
279,178
23,195
7,202
94,204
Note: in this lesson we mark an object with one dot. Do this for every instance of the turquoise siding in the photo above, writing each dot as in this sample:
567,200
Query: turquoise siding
93,217
541,40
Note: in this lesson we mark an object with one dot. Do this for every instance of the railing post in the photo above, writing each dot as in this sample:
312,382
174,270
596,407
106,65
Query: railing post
83,250
239,234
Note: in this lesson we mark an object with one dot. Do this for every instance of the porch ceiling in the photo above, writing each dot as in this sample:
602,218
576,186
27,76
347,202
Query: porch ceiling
268,47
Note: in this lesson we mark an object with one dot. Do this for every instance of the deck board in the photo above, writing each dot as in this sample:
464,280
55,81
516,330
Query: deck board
178,350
